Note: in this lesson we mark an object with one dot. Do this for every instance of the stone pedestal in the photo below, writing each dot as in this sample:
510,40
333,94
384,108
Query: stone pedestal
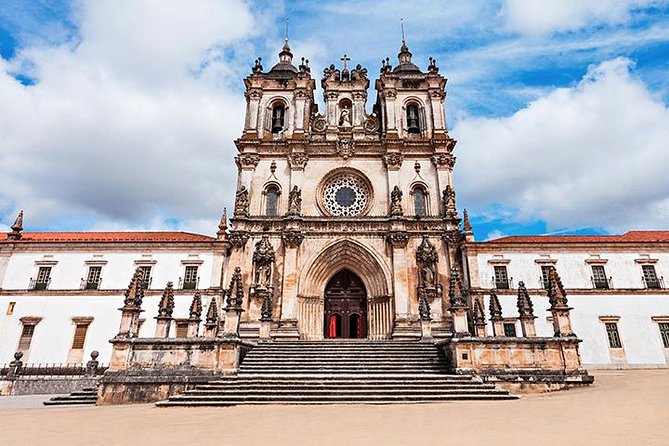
210,330
193,328
527,326
264,332
480,330
460,324
129,322
497,327
562,322
426,329
231,325
163,325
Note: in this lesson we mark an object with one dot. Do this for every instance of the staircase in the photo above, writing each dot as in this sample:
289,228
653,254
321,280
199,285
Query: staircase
87,395
341,371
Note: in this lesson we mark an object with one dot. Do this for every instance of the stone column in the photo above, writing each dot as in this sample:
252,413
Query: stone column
233,309
398,241
292,239
459,307
252,107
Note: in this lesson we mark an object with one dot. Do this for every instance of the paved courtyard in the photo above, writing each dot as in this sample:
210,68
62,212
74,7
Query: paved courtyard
630,407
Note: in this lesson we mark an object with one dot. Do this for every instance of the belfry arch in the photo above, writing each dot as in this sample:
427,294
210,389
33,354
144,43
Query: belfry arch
368,266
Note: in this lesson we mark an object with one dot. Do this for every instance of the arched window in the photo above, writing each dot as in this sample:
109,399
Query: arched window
271,203
413,122
278,118
420,206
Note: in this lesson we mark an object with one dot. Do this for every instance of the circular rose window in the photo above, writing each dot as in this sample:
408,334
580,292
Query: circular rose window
345,195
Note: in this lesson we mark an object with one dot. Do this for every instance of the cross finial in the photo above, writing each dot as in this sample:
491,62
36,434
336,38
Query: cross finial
402,28
287,19
345,59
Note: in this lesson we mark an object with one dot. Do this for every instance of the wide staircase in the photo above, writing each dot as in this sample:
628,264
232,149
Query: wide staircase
350,372
87,395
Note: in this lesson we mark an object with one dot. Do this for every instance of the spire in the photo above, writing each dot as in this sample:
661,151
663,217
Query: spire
495,307
479,314
166,305
17,227
457,295
223,224
556,294
467,223
524,303
285,56
135,292
195,310
212,313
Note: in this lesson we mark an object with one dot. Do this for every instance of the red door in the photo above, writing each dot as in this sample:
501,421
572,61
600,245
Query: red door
345,306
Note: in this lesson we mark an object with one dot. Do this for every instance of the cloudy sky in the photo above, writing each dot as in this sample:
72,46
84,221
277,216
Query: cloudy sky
120,114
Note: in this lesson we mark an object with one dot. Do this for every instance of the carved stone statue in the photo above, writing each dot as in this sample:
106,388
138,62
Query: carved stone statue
263,262
396,202
448,199
345,118
242,202
295,201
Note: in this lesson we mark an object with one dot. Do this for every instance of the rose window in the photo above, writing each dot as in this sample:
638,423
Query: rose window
345,196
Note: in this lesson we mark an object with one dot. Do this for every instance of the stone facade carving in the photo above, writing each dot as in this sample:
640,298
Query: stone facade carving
292,239
247,160
443,161
397,239
242,202
298,160
345,147
195,310
295,202
456,292
524,303
238,239
263,263
448,202
393,161
396,202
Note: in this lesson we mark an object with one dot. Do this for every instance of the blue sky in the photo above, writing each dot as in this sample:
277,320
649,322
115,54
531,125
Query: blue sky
121,114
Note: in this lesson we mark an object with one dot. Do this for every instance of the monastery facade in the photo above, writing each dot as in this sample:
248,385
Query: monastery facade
345,226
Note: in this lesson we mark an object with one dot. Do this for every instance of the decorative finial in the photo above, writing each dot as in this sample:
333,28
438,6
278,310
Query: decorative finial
467,223
223,224
17,227
345,59
402,27
287,20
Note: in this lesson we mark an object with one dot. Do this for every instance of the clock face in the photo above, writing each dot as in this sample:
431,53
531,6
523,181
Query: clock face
345,196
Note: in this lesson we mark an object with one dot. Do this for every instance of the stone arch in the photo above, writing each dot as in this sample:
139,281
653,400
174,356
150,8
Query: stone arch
368,265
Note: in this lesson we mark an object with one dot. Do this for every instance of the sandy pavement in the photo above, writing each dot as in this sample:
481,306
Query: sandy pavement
622,408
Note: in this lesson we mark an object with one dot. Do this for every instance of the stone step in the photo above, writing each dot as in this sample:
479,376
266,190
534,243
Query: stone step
387,377
193,395
205,389
334,399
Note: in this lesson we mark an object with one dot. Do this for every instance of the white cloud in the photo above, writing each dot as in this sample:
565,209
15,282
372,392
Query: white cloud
494,234
591,155
547,16
133,124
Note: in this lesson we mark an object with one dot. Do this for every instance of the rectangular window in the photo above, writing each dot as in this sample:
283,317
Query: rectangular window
510,329
190,277
79,336
145,272
501,278
43,278
182,329
599,279
26,337
93,279
664,333
613,335
650,277
10,308
545,272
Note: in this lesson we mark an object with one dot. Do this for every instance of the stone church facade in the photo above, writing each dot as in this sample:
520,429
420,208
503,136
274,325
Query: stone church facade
345,225
357,208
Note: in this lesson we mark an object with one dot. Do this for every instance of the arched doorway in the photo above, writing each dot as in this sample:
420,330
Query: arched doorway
345,306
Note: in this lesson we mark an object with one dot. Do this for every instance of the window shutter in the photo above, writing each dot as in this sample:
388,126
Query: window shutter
79,336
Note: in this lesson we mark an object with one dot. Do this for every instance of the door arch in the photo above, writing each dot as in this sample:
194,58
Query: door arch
345,306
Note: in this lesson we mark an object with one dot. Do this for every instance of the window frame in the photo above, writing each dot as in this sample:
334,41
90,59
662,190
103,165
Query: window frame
506,283
266,194
613,334
193,284
599,283
426,204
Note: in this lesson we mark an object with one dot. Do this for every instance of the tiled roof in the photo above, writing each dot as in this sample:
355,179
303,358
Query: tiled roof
628,237
93,237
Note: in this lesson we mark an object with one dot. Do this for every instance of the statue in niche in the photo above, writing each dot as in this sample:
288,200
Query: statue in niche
263,275
345,118
428,275
396,202
449,201
242,202
295,201
263,259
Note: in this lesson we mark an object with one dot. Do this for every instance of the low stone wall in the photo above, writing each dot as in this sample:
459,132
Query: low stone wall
151,369
519,364
46,385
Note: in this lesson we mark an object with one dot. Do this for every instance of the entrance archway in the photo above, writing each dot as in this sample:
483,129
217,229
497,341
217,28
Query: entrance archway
345,306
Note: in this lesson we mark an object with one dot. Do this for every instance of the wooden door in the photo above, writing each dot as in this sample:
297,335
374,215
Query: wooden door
345,307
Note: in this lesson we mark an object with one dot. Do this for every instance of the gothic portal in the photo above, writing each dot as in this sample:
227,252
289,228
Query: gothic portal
345,223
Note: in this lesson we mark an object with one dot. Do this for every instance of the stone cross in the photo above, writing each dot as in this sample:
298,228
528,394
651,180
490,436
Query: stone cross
345,59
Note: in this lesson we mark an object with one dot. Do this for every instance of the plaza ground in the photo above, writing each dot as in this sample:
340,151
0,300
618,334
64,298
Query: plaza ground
623,407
